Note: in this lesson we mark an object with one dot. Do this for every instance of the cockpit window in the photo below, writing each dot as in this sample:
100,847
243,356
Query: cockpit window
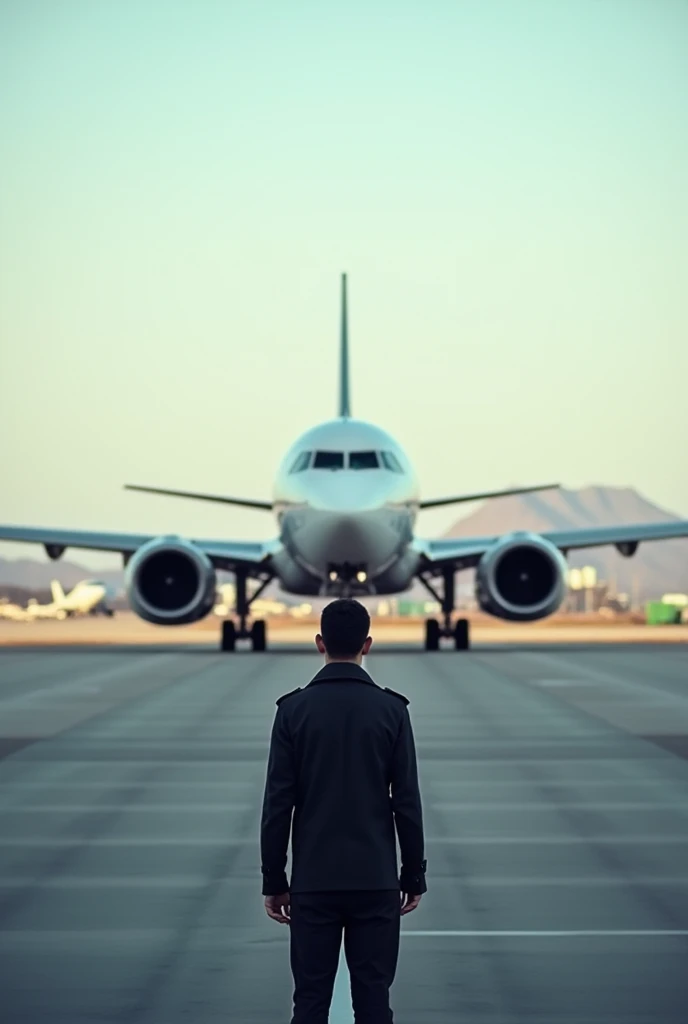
390,461
363,460
328,460
301,462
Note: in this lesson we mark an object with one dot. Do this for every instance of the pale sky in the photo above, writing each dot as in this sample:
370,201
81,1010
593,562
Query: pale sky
181,184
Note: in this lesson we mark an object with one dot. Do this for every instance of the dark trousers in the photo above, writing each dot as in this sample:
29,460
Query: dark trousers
371,923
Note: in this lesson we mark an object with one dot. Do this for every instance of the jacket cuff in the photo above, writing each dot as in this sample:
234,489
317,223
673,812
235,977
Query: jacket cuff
413,881
274,883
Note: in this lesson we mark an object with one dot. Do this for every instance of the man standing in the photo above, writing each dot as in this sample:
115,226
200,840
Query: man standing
342,758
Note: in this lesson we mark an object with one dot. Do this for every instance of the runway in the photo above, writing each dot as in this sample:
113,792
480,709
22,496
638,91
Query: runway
555,789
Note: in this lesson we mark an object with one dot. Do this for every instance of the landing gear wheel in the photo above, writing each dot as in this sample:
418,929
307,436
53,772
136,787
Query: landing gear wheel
462,640
432,635
258,635
228,640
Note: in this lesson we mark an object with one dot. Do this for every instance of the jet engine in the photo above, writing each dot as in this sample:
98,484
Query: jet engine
169,581
521,577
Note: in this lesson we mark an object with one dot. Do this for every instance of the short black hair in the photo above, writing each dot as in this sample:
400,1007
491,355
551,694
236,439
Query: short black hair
344,626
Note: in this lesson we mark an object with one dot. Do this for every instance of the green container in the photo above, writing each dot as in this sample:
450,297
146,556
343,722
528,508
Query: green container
411,607
657,613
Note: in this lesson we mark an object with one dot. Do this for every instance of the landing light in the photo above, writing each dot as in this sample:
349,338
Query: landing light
361,576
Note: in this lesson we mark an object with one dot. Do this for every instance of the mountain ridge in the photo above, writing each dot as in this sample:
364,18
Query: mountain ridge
658,566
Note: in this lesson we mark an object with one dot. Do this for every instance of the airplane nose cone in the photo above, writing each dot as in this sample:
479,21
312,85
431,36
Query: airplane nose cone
349,535
343,492
328,539
355,538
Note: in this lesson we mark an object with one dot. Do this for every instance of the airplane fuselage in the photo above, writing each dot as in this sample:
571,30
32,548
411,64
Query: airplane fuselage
346,499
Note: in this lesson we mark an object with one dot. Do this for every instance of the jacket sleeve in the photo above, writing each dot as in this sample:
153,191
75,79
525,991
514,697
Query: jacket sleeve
406,805
278,803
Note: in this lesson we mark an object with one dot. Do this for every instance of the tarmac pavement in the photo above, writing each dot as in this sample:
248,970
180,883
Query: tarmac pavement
555,789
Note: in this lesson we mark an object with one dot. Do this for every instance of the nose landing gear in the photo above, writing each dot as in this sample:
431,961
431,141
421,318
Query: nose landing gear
232,631
460,631
345,580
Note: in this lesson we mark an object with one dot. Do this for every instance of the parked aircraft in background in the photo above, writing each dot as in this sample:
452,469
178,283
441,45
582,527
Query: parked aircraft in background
346,501
87,598
8,610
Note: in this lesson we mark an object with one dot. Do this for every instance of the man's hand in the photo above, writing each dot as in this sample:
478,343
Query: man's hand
278,907
409,903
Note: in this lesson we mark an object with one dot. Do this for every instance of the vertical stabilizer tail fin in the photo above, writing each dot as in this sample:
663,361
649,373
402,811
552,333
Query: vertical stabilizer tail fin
57,591
344,397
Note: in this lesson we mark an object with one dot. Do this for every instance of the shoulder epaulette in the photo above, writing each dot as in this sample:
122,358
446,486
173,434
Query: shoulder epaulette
285,695
399,695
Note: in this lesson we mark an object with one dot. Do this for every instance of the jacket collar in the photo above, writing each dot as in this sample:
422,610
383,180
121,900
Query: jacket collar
337,670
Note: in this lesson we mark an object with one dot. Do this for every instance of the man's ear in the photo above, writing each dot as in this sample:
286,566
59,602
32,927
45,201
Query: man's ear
320,644
367,645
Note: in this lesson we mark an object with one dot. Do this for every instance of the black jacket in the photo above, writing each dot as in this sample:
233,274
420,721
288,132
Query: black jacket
342,757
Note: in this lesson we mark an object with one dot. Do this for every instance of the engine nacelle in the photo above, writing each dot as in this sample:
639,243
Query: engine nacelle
170,582
522,577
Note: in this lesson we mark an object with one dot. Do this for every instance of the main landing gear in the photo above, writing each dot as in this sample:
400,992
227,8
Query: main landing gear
459,632
233,631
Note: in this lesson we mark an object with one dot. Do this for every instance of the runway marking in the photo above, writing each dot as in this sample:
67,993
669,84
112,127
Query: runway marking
611,681
219,807
55,939
564,805
189,763
103,785
510,764
559,840
613,840
561,682
97,807
585,757
464,783
620,782
9,883
86,677
582,933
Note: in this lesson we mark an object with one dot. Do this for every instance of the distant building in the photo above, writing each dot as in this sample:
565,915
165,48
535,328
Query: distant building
261,608
583,578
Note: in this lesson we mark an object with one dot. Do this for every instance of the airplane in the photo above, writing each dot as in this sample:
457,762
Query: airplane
346,500
9,610
86,598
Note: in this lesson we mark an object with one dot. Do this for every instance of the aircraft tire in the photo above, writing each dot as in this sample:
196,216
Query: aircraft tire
462,636
259,635
228,637
432,635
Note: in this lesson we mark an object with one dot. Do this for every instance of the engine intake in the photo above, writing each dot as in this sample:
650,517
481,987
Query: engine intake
521,578
170,582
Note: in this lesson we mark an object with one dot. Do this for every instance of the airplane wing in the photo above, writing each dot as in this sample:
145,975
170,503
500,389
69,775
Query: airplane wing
224,554
459,498
196,496
465,552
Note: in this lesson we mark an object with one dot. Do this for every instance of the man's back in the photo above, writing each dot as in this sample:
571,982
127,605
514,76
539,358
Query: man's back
352,743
